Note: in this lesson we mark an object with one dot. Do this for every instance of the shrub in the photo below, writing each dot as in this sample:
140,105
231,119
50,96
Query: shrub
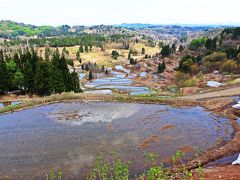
186,63
238,58
70,62
180,78
215,57
115,54
199,76
161,67
196,43
214,61
190,83
194,69
166,51
229,66
133,61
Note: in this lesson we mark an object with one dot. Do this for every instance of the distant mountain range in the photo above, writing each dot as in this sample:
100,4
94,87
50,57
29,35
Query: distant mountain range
11,29
141,26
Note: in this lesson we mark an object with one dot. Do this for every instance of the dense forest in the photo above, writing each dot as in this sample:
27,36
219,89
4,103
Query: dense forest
64,41
27,72
10,29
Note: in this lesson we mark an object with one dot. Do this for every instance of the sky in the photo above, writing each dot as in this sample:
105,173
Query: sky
95,12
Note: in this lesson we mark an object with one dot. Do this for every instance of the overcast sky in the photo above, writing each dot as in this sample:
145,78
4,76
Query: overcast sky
92,12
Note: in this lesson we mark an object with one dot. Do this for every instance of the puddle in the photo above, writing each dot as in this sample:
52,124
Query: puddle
68,136
143,74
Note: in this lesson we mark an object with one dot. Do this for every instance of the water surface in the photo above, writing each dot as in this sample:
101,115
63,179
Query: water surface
67,136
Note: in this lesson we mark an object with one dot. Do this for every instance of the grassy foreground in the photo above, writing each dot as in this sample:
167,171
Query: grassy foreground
64,97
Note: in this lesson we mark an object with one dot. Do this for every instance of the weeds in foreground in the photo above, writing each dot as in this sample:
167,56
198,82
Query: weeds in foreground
118,170
114,170
52,175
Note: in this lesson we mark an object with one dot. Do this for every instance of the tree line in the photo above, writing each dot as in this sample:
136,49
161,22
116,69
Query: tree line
66,41
28,72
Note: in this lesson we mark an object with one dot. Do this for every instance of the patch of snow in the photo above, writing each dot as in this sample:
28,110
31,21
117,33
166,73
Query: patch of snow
237,161
215,72
214,84
237,106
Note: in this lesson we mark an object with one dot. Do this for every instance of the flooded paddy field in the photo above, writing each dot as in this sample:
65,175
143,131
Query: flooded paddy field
68,136
9,103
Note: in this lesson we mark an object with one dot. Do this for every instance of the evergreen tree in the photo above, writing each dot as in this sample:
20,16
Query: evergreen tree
43,81
129,56
90,76
47,53
211,44
65,73
181,48
87,67
166,51
28,77
81,49
173,48
143,51
86,48
75,83
161,67
78,55
3,74
115,54
103,68
56,73
133,61
90,47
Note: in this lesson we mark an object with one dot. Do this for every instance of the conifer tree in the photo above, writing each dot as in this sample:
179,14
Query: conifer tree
56,73
43,81
3,74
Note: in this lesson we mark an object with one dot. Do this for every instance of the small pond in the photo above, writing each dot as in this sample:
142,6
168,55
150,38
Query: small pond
68,136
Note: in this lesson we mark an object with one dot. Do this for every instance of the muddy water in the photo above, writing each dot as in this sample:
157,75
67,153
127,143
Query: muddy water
67,136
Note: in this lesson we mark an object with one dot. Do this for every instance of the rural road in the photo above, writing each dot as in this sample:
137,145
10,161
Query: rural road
234,91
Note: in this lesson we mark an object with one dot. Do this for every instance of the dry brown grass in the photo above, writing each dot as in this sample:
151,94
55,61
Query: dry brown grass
104,58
